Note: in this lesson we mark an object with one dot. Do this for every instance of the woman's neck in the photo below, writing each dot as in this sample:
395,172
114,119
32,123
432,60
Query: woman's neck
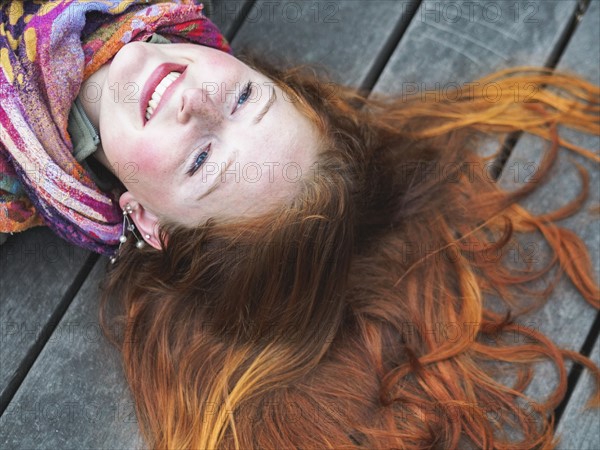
91,93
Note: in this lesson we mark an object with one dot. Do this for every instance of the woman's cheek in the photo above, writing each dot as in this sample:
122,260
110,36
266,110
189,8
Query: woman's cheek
148,161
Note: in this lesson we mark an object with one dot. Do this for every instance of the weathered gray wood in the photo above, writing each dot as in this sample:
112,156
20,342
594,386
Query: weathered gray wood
567,318
440,50
579,428
227,13
343,36
454,48
75,395
449,44
36,271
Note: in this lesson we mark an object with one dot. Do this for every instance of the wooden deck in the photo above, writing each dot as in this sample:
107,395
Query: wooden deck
61,383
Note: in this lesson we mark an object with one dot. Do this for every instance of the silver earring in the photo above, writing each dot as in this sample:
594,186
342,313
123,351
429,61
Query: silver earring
127,226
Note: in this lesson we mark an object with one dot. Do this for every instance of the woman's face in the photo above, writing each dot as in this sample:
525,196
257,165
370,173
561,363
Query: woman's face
222,140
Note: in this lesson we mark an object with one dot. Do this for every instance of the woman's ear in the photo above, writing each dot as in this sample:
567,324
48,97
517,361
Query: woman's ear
145,221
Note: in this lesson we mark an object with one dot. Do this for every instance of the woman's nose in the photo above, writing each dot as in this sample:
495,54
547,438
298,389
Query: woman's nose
197,104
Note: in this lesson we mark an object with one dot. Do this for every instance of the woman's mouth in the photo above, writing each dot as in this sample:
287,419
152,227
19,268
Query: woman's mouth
159,91
158,88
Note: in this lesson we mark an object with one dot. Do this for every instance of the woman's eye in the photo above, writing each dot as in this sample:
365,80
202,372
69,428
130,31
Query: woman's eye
198,161
246,93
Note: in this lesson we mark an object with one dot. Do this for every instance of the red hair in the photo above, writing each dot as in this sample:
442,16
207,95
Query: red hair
314,325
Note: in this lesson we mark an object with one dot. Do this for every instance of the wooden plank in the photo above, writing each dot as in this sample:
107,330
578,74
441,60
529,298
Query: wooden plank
566,318
75,395
453,49
37,270
451,43
579,428
228,15
343,36
448,44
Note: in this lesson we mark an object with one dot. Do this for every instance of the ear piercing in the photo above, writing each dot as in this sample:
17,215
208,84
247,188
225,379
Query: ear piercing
128,226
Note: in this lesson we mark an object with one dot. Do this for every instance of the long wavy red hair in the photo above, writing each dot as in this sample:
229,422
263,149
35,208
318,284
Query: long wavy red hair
314,326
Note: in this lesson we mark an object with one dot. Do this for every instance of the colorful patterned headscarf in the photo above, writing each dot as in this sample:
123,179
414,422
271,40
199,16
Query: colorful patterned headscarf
47,49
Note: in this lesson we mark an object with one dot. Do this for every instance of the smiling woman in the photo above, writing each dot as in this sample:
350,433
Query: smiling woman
281,302
48,50
317,325
200,124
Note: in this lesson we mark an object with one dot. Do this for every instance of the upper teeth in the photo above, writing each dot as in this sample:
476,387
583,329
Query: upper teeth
159,91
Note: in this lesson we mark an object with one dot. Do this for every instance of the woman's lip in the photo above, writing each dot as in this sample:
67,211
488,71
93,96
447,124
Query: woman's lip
156,77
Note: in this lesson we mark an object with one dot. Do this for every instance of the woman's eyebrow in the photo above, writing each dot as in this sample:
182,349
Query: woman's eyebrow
218,180
265,110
